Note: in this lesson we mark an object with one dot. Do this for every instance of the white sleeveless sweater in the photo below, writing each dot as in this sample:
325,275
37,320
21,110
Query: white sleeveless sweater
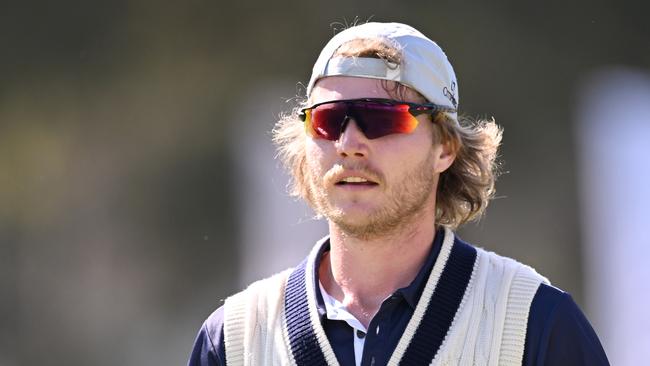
473,311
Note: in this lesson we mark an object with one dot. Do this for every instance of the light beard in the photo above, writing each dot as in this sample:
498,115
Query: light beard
406,201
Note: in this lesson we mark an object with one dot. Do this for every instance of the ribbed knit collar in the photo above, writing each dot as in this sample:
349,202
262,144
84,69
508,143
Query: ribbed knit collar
410,293
425,332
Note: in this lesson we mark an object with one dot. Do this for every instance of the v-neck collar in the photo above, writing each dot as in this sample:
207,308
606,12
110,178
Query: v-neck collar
423,336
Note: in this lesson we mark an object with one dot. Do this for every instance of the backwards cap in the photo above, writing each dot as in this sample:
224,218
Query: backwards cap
424,66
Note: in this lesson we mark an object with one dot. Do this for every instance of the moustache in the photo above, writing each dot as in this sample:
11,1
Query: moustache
335,174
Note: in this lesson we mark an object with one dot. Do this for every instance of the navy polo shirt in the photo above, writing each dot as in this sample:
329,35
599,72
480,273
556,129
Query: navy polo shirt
558,332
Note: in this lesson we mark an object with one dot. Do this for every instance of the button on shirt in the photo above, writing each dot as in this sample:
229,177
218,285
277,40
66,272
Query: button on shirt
557,334
385,328
335,310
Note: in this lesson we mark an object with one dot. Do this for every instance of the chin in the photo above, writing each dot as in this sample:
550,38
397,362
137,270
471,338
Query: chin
353,213
362,224
364,229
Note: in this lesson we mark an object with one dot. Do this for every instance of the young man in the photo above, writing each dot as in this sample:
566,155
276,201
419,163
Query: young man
378,150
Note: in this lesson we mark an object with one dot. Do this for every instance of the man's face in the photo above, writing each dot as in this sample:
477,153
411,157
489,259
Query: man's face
372,187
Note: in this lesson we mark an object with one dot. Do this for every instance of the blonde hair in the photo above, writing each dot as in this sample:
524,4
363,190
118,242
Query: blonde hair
464,189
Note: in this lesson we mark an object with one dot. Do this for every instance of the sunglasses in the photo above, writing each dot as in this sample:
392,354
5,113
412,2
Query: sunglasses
375,117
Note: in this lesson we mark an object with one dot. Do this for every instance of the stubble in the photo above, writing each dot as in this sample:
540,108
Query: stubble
404,200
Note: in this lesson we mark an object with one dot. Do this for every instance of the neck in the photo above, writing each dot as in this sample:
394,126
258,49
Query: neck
363,272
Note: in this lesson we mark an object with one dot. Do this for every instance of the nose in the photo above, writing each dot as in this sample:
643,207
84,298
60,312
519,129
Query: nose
352,141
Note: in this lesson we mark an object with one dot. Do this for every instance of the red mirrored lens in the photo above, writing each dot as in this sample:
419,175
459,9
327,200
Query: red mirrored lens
327,120
378,120
375,119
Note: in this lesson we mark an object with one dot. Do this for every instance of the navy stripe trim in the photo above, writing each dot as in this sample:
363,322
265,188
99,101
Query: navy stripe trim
303,341
442,307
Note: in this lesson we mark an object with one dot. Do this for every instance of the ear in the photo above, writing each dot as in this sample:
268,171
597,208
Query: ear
444,156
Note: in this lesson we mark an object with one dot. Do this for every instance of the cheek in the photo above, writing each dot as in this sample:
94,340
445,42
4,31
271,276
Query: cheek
312,150
411,148
316,155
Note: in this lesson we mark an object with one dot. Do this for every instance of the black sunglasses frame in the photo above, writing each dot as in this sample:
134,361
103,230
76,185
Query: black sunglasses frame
415,109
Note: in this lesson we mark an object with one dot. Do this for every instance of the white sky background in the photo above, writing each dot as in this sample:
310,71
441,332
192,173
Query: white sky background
613,139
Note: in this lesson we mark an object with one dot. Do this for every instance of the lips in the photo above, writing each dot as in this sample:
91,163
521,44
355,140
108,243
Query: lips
355,180
351,176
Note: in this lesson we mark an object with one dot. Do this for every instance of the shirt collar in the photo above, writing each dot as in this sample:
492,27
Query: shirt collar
335,310
410,293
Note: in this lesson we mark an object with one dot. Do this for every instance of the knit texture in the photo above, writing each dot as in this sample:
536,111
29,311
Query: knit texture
421,307
522,292
302,339
312,306
490,325
473,311
442,308
253,324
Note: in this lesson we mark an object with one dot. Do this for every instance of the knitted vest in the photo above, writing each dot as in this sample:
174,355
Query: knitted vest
473,311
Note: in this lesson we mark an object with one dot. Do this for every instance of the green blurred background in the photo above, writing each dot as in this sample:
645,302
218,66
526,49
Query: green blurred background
120,172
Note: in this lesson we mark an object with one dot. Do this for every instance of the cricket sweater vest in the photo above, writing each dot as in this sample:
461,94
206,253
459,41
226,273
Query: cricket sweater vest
473,311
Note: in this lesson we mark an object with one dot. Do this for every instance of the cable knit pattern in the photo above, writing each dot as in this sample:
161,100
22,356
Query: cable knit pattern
490,326
441,307
490,301
254,327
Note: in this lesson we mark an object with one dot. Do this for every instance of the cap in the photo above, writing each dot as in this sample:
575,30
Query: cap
424,66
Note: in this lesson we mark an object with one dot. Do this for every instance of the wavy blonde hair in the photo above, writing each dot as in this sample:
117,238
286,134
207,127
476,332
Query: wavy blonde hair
464,189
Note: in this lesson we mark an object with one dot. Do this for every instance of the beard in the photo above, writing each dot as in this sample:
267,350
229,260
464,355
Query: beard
403,201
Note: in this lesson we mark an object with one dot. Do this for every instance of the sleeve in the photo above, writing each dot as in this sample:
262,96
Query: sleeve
559,333
209,348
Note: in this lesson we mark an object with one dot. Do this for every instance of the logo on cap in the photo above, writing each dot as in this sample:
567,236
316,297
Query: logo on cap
450,94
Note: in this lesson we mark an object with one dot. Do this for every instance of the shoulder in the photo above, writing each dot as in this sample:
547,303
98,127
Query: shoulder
209,347
268,290
559,332
519,280
213,326
503,263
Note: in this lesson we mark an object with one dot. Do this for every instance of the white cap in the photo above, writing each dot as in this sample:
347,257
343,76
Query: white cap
424,66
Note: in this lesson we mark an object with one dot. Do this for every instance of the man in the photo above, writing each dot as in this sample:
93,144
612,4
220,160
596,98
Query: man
379,151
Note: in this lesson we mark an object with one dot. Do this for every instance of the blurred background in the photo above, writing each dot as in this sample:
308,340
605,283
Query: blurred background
138,187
